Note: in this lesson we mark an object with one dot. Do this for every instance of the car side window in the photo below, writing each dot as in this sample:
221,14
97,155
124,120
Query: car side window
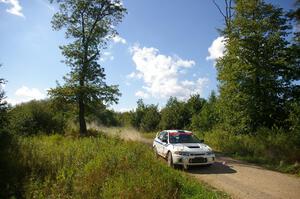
161,135
165,137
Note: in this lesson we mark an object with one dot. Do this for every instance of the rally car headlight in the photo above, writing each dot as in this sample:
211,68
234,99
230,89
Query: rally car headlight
182,153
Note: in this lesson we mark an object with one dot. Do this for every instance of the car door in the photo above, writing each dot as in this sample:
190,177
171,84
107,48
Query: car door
165,144
159,142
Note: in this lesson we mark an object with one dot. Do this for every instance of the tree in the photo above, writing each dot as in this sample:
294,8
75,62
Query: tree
145,117
208,117
36,117
151,119
3,104
89,25
138,115
254,74
175,115
195,104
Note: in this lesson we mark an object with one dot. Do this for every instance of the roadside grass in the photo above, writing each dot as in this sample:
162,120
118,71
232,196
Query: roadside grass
272,150
100,167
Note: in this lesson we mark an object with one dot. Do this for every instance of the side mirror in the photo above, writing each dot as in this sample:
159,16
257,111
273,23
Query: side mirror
201,140
165,140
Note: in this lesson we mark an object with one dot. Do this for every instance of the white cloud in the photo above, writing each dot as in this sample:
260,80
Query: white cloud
118,39
161,74
216,50
142,94
15,8
33,93
25,94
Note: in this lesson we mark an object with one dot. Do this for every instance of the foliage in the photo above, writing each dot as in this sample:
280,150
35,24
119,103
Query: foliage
256,75
151,119
100,167
146,117
126,118
103,116
89,24
3,105
37,117
208,117
195,104
174,115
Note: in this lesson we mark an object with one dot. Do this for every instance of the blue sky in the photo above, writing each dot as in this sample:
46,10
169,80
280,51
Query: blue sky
164,48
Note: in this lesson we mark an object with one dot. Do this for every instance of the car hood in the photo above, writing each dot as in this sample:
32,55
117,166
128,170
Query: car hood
191,147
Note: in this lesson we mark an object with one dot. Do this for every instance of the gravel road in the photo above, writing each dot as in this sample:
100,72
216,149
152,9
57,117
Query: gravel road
247,181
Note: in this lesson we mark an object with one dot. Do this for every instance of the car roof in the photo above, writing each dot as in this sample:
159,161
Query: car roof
178,131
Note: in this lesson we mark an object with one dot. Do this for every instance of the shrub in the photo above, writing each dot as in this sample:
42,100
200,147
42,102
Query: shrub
36,117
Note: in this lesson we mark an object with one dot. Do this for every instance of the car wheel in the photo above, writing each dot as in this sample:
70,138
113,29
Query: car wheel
170,160
155,152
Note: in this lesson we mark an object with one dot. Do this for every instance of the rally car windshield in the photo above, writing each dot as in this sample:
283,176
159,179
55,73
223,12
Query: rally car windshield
183,138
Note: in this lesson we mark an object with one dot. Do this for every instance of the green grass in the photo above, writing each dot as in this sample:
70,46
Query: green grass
100,167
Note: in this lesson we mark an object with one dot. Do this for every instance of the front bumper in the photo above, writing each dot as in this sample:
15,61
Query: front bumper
193,160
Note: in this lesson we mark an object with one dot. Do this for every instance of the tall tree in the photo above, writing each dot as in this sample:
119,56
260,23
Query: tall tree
89,25
254,74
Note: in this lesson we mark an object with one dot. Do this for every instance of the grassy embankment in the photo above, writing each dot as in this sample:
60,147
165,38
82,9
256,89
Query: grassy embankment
99,167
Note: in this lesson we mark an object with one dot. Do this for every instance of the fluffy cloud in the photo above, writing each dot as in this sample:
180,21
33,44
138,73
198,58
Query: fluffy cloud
216,50
118,39
15,8
161,74
25,94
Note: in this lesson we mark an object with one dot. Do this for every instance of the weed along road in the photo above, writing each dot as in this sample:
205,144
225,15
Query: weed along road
239,179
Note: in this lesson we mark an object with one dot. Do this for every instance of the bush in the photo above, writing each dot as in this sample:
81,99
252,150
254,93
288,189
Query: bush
36,117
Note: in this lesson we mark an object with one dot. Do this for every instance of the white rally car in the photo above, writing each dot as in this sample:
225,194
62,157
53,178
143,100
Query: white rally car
181,147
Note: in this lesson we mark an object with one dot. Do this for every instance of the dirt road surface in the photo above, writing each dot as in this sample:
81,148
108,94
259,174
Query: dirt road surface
244,180
239,179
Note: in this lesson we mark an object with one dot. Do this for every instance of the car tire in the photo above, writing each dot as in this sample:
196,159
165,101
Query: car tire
155,152
170,160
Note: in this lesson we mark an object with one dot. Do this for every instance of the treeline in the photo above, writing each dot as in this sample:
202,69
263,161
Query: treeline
194,113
